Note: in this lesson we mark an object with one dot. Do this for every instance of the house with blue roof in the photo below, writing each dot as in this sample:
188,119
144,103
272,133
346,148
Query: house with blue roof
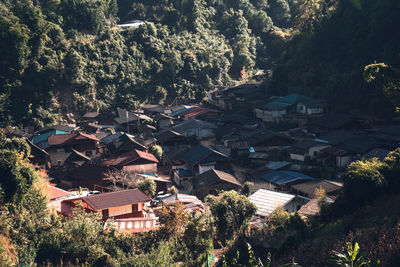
275,110
41,140
285,179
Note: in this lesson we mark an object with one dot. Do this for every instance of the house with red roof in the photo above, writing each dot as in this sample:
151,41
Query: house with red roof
133,161
200,113
81,142
127,208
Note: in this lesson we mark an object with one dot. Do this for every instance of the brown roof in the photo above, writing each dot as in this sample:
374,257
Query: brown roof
116,199
213,176
309,187
60,139
89,172
311,208
129,157
168,135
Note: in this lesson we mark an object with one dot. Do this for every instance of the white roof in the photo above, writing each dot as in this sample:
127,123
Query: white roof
267,201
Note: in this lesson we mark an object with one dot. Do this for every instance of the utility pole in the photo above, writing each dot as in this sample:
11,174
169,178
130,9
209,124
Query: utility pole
127,121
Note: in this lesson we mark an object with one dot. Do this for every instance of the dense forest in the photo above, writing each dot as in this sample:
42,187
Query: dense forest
57,55
328,59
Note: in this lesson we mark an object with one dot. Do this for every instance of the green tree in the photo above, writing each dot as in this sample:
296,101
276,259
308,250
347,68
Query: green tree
157,151
386,77
349,257
246,188
147,186
364,180
16,176
232,213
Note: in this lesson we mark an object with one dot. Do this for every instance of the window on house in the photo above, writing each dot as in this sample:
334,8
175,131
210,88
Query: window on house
105,213
135,208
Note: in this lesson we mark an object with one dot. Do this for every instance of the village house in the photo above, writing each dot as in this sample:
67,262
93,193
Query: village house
309,188
332,156
306,149
267,201
333,122
201,113
213,181
311,106
122,143
171,140
81,142
195,128
226,98
264,140
56,196
285,179
127,208
39,157
201,159
274,111
135,161
40,138
88,175
388,137
164,121
313,207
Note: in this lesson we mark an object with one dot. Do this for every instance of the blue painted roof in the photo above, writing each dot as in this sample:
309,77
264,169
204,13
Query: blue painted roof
292,98
108,139
43,137
284,177
181,111
197,154
276,105
286,101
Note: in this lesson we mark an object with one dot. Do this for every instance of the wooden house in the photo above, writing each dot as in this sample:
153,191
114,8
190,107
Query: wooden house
213,181
125,207
81,142
201,159
135,161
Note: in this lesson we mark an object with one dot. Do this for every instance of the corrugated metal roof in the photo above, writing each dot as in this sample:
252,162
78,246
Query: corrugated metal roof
276,165
285,177
198,153
116,199
267,201
43,137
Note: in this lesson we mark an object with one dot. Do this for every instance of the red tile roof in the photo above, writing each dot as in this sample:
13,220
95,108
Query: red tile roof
116,199
129,157
194,112
55,192
59,139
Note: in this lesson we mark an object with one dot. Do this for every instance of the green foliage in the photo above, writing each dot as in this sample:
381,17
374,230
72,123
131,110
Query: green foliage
232,213
387,78
363,180
246,188
16,177
75,49
87,15
349,257
147,186
344,39
198,237
157,151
